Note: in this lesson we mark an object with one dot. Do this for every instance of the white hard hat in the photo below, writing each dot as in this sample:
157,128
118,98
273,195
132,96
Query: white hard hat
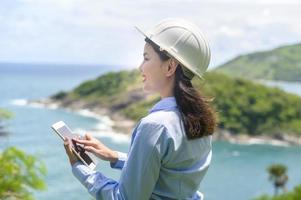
184,42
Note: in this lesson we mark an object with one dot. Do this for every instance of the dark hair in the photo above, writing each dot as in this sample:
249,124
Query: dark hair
198,116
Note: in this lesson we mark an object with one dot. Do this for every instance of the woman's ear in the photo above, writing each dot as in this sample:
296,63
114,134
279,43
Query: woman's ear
172,66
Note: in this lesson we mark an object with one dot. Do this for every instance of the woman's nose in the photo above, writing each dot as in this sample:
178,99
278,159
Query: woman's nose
140,67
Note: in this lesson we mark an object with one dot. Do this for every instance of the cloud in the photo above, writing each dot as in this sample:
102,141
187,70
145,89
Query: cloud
94,31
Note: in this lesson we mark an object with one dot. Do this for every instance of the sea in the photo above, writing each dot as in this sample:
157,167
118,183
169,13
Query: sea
237,171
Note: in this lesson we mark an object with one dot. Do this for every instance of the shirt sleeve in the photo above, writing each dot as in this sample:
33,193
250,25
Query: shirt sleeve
139,174
122,157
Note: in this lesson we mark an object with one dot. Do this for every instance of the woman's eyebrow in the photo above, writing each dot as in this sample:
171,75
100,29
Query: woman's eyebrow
144,54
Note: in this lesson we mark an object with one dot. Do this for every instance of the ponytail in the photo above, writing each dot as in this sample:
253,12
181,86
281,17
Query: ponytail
198,116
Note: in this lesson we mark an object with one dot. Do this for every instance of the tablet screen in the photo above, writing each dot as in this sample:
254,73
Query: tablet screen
65,131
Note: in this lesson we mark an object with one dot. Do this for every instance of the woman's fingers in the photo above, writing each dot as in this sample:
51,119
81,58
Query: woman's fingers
66,144
94,146
88,136
70,154
68,147
91,149
86,142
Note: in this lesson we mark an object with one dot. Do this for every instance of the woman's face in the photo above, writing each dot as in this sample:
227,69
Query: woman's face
152,70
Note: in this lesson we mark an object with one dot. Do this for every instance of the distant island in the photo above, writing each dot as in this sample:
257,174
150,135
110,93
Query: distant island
280,64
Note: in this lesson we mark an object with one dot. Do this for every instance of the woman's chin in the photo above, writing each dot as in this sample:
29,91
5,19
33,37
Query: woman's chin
147,90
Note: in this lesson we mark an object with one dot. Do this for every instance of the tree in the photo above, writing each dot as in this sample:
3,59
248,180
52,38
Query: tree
277,174
295,194
4,115
19,174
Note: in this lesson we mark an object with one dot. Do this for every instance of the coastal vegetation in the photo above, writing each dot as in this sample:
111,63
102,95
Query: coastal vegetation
295,194
242,105
20,173
278,176
283,63
4,116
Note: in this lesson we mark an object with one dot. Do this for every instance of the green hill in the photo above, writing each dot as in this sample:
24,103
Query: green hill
283,63
242,106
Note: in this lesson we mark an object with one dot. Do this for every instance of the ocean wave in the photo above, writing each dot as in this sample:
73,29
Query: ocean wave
102,129
37,105
103,118
114,136
260,141
33,104
19,102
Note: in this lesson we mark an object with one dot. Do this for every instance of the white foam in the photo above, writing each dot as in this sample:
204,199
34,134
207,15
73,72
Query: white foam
25,102
102,126
53,106
260,141
102,129
37,105
114,136
103,118
108,133
87,113
19,102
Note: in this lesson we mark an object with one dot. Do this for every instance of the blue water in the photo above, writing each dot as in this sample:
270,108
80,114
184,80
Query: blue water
291,87
237,171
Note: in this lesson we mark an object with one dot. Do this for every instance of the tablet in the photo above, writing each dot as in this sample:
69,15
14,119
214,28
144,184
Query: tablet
63,131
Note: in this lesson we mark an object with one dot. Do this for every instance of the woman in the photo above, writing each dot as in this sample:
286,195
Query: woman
170,149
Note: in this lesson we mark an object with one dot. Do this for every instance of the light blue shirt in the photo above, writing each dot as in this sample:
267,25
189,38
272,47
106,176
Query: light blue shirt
161,163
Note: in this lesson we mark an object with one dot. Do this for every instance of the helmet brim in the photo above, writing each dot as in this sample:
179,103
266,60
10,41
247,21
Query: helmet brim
142,32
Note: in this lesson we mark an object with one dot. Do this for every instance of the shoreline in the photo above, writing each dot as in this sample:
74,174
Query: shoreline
116,121
124,126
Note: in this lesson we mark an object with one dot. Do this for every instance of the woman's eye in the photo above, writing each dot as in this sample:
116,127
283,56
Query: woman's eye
146,59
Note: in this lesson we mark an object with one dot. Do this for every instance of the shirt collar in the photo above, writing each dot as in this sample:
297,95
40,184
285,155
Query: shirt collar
166,103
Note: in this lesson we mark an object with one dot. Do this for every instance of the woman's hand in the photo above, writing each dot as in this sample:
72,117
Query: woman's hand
72,157
94,146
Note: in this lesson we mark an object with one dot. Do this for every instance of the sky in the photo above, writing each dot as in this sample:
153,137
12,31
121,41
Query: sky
102,31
